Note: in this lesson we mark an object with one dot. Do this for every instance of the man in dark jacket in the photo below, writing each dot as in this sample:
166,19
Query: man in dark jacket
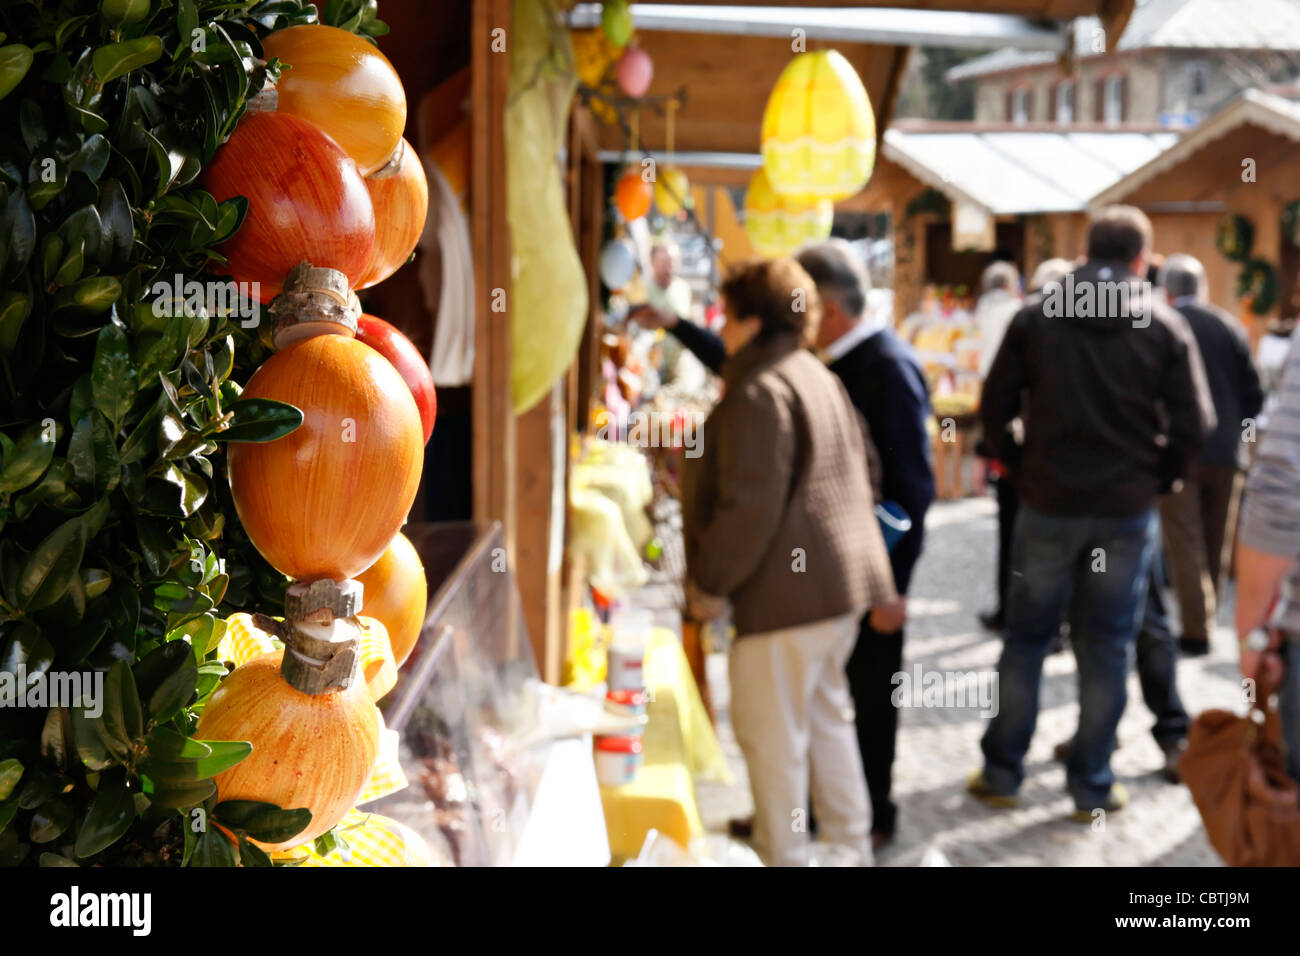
1196,518
1112,390
885,383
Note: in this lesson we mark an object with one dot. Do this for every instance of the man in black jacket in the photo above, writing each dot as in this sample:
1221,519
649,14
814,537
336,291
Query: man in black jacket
1196,518
1112,390
885,383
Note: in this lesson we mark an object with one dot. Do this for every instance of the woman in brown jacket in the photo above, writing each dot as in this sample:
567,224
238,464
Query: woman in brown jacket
779,520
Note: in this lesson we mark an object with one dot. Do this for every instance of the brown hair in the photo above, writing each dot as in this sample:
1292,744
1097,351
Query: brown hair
1119,233
778,292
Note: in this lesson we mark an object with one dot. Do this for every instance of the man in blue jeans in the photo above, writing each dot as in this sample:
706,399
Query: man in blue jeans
1112,391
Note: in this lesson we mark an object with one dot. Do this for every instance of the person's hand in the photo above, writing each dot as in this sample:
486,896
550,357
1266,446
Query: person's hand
651,317
1259,658
703,607
889,617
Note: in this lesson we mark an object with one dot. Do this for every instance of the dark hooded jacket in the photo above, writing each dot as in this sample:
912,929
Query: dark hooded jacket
1112,390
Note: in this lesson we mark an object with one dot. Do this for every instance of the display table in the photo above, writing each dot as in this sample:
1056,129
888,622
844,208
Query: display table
679,746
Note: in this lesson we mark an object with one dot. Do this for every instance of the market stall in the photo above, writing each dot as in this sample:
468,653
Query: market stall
282,281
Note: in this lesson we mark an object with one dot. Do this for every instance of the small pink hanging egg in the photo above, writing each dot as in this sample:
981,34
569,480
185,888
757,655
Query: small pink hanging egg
635,70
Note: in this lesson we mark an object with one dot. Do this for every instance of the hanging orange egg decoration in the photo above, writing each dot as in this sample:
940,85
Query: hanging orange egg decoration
310,750
396,595
400,195
344,85
633,195
325,500
306,200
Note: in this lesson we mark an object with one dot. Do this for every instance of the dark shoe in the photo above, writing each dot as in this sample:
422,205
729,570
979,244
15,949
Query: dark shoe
992,620
880,840
978,787
1173,754
1061,751
740,828
1190,648
1117,799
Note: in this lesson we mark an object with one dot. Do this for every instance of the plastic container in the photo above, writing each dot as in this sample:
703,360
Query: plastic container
631,628
626,703
618,758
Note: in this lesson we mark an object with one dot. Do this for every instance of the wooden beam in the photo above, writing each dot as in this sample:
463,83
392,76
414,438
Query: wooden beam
494,419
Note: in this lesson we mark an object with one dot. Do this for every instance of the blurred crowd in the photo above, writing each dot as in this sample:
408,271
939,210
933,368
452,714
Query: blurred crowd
1120,418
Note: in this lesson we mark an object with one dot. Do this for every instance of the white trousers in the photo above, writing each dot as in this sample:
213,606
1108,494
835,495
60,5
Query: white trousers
793,717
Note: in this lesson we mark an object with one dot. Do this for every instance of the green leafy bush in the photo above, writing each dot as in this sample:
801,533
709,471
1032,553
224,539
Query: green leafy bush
120,552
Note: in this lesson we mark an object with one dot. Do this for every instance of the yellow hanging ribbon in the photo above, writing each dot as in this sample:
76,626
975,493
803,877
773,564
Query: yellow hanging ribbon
668,120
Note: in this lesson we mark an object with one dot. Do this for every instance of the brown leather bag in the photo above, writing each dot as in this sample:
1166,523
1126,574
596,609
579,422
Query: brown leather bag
1235,768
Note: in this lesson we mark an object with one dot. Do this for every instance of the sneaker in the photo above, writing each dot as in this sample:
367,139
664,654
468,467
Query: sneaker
1117,799
980,788
1193,648
1062,750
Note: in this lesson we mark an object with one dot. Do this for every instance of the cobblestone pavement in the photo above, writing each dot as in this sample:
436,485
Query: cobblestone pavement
938,747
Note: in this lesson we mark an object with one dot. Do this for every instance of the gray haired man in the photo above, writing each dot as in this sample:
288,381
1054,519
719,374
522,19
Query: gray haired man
1196,517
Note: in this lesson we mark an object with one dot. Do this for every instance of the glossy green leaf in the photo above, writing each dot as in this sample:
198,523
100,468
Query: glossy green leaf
15,307
260,420
225,754
122,13
111,814
11,771
52,566
166,744
123,714
54,736
159,664
30,457
15,61
55,859
118,59
183,795
250,854
27,650
50,821
213,849
262,821
112,375
95,747
175,692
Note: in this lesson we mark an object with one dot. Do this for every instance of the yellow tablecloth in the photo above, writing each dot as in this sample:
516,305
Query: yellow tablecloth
679,746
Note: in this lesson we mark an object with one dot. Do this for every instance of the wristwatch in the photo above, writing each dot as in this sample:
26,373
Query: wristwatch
1256,640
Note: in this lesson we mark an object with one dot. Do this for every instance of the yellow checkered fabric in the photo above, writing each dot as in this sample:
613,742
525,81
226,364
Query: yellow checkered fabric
371,840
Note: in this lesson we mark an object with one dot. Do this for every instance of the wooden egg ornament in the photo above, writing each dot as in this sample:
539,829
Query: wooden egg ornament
633,194
396,595
344,85
306,710
306,200
635,71
326,500
400,195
